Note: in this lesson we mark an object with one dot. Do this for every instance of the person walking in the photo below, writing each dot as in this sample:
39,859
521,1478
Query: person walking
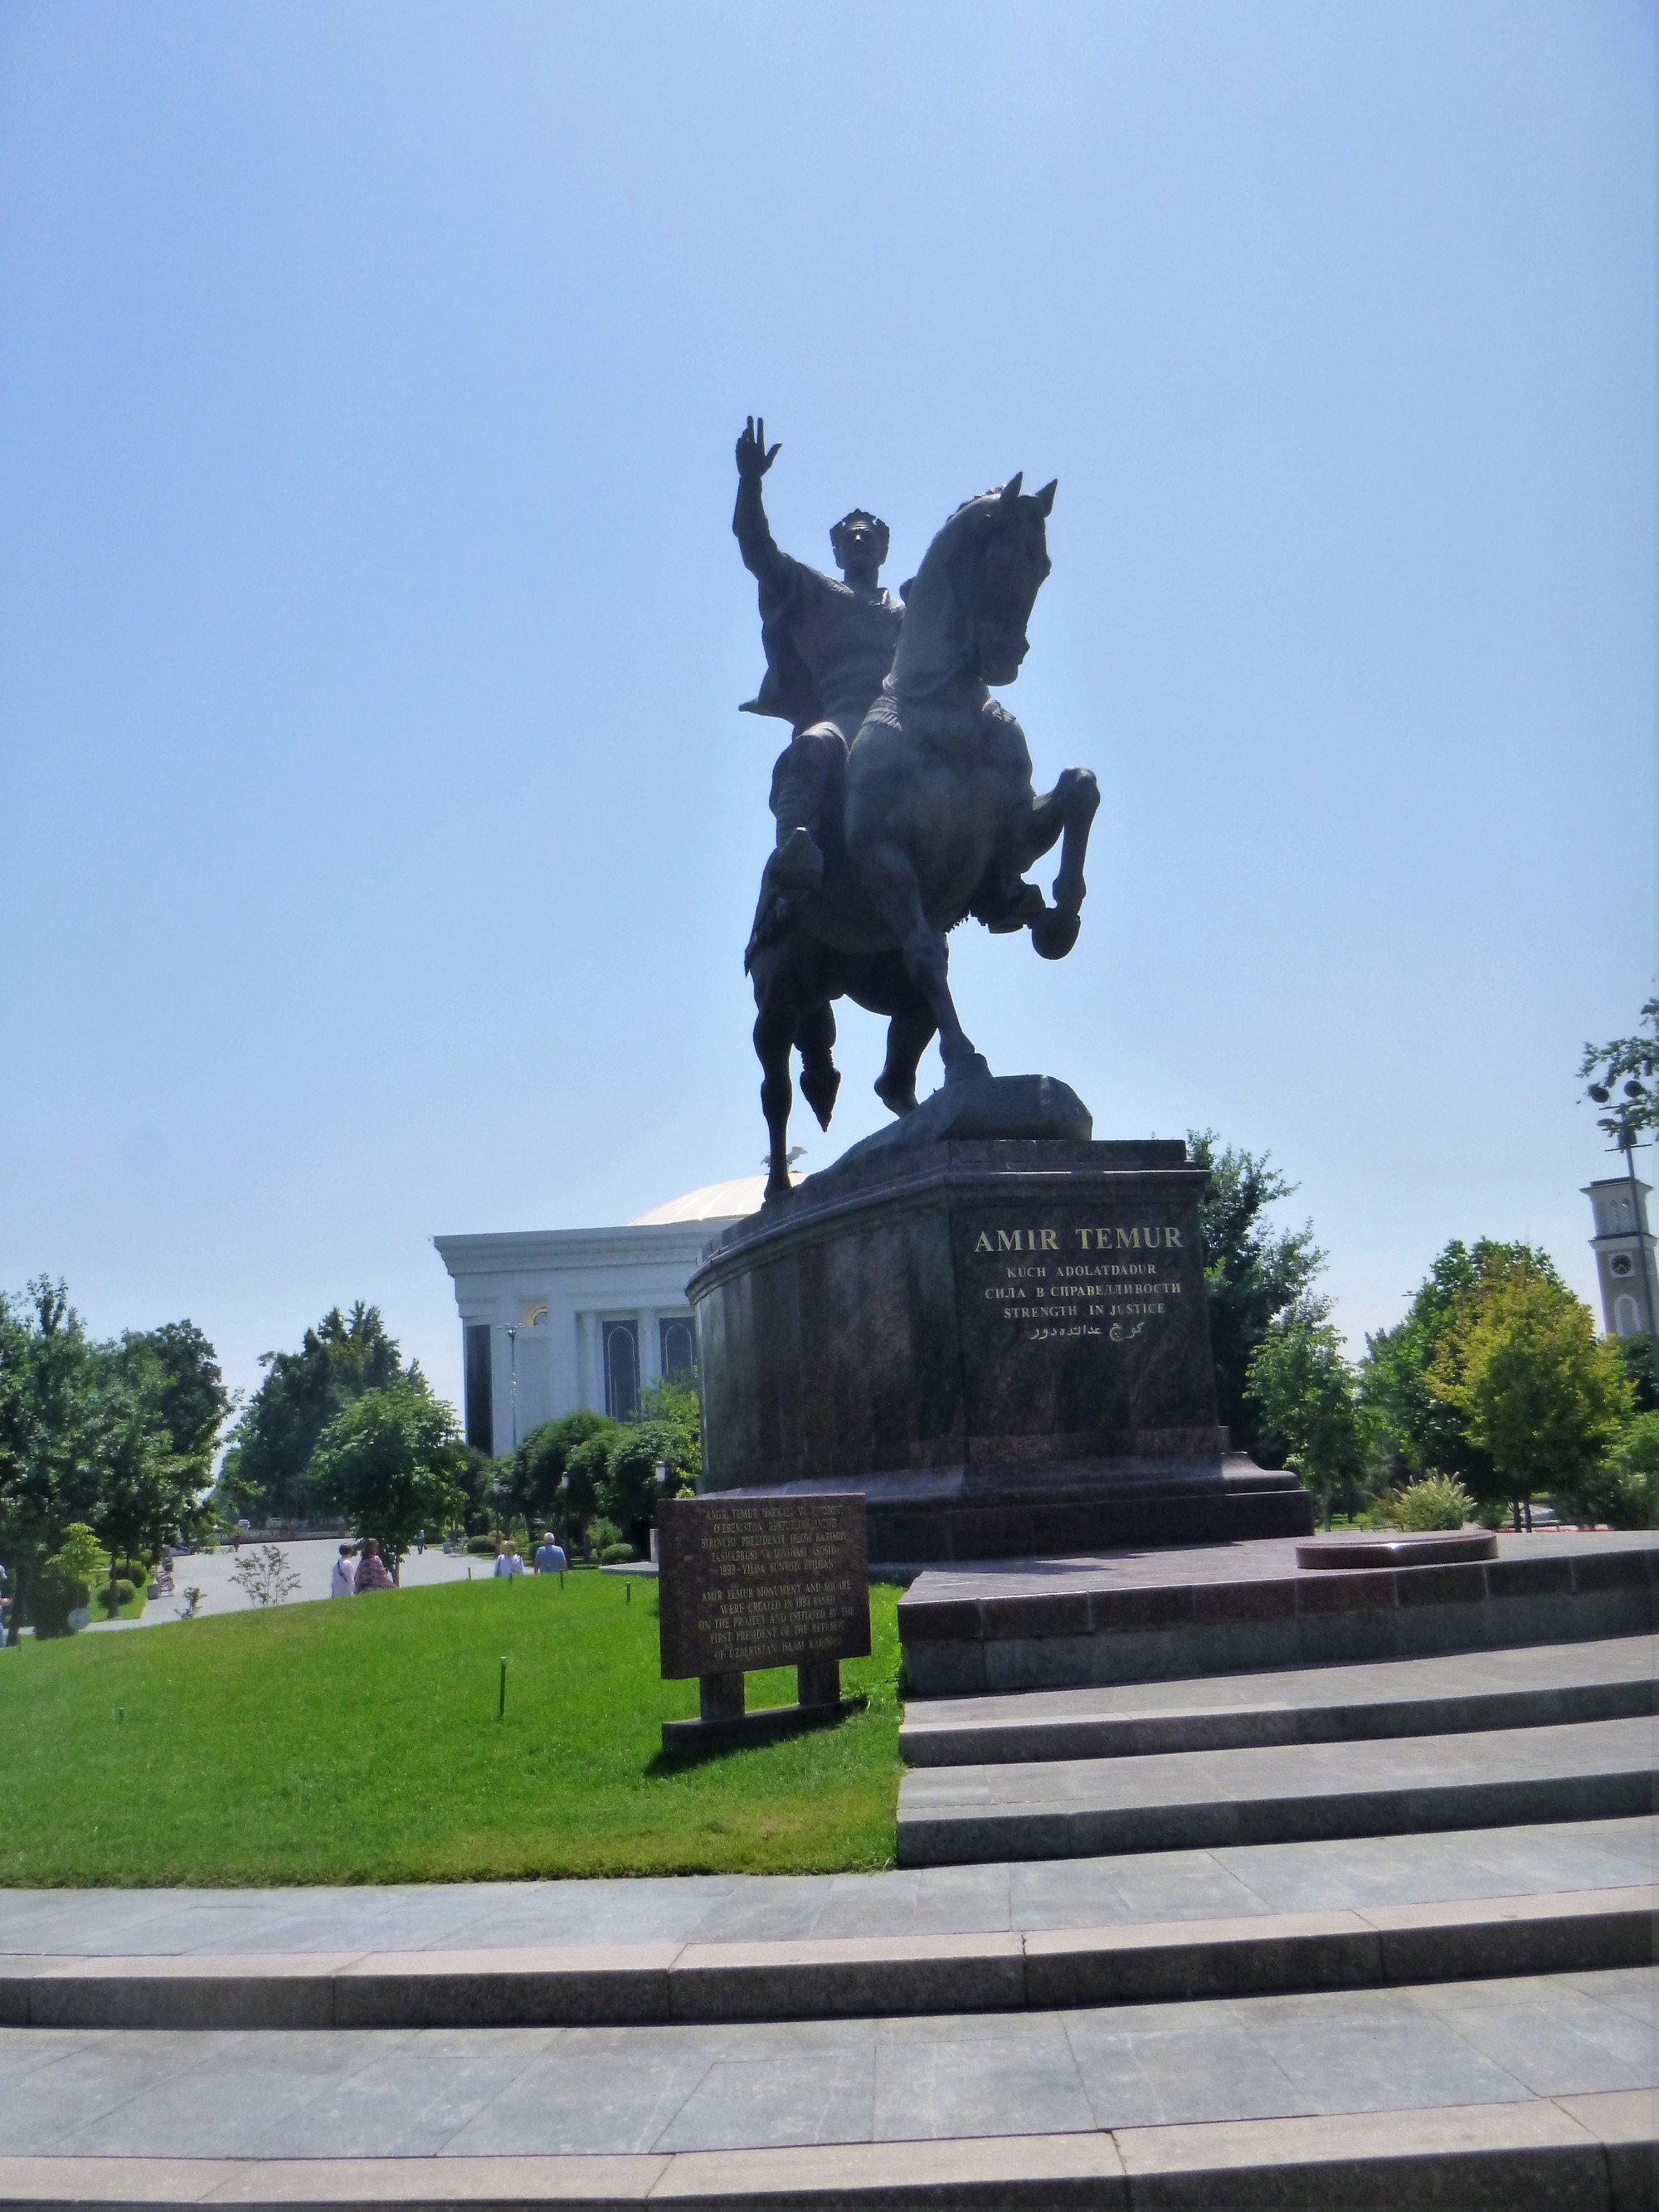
507,1561
550,1557
371,1568
343,1582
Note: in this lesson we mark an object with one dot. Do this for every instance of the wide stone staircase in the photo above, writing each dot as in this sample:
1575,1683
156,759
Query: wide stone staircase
1219,1884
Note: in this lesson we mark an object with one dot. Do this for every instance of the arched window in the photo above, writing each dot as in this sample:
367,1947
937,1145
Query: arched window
622,1370
679,1349
1626,1321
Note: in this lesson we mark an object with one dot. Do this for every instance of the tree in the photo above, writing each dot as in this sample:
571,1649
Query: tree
1624,1490
48,1431
392,1462
145,1488
1300,1378
1542,1395
533,1477
1425,1432
667,1433
269,1462
1253,1274
1630,1064
176,1373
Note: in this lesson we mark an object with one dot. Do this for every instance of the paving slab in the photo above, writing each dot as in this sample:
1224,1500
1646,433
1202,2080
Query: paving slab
1274,1793
362,2094
1533,1685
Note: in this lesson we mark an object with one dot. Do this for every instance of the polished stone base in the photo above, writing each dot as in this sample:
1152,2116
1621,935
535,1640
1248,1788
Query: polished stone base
1002,1340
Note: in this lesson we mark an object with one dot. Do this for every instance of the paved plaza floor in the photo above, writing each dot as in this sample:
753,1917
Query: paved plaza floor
389,2093
311,1558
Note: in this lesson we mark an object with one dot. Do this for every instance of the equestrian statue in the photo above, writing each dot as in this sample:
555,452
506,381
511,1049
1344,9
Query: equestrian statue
904,800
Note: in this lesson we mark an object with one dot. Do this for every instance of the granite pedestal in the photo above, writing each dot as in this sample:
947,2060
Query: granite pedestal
1003,1342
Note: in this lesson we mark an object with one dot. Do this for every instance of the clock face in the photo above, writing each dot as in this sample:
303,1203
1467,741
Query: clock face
1621,1264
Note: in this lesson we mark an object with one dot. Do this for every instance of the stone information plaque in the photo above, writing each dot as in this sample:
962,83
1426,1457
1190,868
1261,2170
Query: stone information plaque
764,1582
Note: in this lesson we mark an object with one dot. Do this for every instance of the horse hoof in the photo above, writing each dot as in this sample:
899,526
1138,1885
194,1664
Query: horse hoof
1056,933
897,1101
819,1092
968,1070
777,1187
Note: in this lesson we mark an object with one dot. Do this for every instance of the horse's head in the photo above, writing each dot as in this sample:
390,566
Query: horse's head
999,573
966,612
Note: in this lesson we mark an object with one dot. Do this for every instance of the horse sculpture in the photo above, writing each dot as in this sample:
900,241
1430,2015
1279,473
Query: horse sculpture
936,819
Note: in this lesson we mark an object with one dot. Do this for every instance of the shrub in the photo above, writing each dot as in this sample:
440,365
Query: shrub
52,1597
481,1547
613,1555
603,1536
1623,1491
1438,1501
117,1594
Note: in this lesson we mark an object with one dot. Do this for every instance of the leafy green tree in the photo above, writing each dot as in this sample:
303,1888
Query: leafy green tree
1300,1378
145,1489
667,1433
531,1488
269,1463
585,1475
1254,1273
175,1372
1425,1432
1637,1353
391,1461
49,1432
1626,1065
1623,1491
1542,1395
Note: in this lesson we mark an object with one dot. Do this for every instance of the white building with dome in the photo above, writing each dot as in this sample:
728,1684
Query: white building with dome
555,1319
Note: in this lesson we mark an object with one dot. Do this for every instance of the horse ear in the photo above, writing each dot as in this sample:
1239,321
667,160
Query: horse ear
1010,489
1044,500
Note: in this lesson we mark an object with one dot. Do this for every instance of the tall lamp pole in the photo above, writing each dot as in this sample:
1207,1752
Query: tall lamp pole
513,1356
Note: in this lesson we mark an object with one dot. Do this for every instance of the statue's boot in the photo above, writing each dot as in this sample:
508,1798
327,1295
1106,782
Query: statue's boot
796,868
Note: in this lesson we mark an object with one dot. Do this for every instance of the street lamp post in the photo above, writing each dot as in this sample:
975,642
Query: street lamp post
512,1359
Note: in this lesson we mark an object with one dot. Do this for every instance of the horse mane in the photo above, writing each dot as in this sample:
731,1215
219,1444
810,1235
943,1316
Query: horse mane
934,646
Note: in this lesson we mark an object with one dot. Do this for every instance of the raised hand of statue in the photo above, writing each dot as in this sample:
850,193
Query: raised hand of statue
753,458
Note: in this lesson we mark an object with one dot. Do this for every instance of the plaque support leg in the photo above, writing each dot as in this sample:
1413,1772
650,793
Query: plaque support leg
818,1682
720,1697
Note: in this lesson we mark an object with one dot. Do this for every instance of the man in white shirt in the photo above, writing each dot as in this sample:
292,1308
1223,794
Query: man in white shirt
342,1582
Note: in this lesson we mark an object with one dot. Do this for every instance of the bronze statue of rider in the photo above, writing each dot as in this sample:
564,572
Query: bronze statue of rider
829,646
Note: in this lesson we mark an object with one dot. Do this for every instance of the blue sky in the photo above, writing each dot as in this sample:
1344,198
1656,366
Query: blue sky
378,835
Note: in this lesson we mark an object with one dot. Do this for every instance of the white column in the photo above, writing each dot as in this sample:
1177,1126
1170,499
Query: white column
650,1347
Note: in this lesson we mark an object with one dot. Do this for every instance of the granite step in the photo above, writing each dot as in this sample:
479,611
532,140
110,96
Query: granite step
1593,2152
1134,1616
1509,2093
1272,1794
1533,1685
839,1977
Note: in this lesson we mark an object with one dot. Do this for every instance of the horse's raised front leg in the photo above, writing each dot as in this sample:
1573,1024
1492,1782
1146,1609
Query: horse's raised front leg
890,882
774,1036
908,1037
1054,933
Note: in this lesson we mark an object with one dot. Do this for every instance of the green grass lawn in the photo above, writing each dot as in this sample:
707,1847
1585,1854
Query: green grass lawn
341,1742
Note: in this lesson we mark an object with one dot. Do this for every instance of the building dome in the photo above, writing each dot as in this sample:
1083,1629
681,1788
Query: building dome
715,1201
